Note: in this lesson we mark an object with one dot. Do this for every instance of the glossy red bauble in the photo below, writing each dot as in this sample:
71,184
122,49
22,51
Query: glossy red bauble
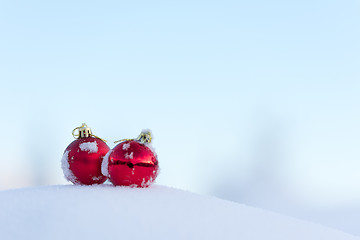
81,162
131,163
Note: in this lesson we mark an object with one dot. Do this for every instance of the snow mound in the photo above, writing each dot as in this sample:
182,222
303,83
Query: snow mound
158,212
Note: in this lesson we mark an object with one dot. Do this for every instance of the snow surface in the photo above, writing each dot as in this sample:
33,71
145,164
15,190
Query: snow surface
90,147
161,213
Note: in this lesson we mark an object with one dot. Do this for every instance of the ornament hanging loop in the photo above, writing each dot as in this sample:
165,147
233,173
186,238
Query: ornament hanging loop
123,140
144,137
83,132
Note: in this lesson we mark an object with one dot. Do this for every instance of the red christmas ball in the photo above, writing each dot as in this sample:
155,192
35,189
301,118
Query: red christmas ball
131,163
81,162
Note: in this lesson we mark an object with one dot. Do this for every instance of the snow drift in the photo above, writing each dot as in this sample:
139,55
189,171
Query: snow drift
108,212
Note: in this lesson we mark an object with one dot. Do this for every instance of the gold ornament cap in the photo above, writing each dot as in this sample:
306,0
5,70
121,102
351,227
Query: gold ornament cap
144,137
83,131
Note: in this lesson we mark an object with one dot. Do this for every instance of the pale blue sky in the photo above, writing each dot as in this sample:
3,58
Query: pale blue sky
224,85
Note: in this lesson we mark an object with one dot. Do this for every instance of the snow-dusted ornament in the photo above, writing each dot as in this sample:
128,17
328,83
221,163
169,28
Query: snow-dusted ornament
81,162
133,162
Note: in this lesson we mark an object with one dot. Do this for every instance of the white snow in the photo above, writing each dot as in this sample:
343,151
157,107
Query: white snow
90,147
129,156
158,212
147,183
96,178
126,146
105,164
68,174
147,130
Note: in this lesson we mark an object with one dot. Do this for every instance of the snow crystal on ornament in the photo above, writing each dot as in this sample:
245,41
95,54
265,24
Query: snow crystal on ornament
129,156
105,165
91,147
126,146
147,183
143,183
96,178
69,176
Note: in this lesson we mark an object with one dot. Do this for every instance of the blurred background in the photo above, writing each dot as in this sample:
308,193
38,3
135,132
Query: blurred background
251,101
